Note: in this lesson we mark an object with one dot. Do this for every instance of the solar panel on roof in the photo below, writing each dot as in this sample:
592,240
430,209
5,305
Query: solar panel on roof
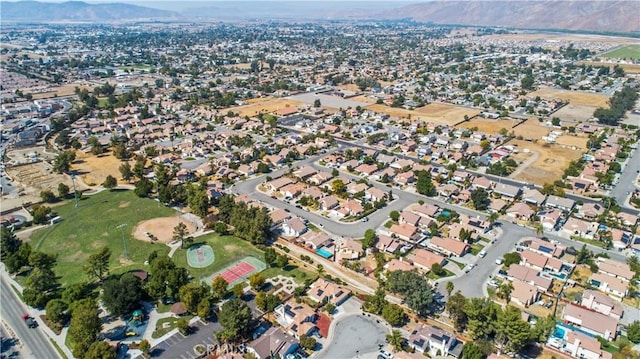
545,249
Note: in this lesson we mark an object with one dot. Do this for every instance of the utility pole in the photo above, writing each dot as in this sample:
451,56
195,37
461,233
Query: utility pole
124,242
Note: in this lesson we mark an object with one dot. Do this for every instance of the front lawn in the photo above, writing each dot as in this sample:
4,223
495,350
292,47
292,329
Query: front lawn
226,250
171,324
476,248
432,275
93,225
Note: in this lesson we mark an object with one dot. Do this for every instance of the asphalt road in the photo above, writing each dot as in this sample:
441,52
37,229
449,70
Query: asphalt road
627,179
35,343
353,336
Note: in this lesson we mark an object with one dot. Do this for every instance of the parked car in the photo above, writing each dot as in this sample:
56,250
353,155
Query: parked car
364,219
492,283
482,254
499,261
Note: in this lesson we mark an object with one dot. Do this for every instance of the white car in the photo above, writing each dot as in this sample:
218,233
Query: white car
499,261
492,283
482,254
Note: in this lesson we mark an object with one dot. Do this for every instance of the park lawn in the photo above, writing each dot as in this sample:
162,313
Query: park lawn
173,321
626,52
92,225
291,270
226,250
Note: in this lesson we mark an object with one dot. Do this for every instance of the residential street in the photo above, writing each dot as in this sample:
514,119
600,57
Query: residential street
626,182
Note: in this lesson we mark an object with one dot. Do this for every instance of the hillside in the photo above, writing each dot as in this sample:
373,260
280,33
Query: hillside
615,15
78,11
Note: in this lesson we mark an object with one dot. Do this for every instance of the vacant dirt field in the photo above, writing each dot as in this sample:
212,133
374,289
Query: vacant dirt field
59,91
531,129
94,170
252,101
349,87
267,106
549,166
575,113
574,97
488,125
161,228
568,140
363,98
31,179
628,68
434,113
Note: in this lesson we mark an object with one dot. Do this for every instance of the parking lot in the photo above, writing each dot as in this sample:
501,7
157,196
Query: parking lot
179,346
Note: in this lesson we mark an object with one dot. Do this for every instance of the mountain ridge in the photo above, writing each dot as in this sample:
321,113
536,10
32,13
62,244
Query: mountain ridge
36,11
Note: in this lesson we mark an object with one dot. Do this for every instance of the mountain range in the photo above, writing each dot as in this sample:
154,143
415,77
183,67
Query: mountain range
585,15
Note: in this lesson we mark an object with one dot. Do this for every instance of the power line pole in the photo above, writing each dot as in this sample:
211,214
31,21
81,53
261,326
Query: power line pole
75,192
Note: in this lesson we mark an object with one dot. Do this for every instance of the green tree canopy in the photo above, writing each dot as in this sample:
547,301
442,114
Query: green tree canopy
122,296
234,317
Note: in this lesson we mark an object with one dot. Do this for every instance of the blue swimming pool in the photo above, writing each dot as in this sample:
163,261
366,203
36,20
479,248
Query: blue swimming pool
559,333
446,213
324,253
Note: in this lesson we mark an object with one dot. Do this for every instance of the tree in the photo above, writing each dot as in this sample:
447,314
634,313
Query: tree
56,311
165,278
317,103
396,340
123,295
63,190
100,350
267,302
47,196
40,287
338,186
424,185
62,162
504,291
192,295
220,228
480,199
183,326
481,315
98,264
143,188
449,287
394,314
125,171
85,326
543,328
270,256
145,348
256,281
180,233
527,83
493,218
394,215
282,261
414,287
234,317
471,351
369,239
512,332
110,182
455,307
9,243
307,342
511,258
40,213
437,269
633,332
219,287
238,290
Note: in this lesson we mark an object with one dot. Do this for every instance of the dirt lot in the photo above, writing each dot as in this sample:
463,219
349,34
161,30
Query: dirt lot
531,129
575,113
574,97
576,141
550,164
32,179
94,170
434,113
488,125
628,68
267,106
363,98
349,87
161,228
59,91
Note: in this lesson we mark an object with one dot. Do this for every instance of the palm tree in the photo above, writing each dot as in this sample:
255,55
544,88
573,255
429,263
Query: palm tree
449,288
320,270
493,218
538,228
396,340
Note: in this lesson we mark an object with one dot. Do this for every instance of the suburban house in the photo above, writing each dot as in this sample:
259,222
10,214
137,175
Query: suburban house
434,341
579,227
561,203
349,249
294,227
273,342
620,239
297,318
532,196
545,248
507,190
539,261
398,264
278,183
406,232
590,210
520,211
601,303
427,210
387,244
279,215
328,202
524,294
583,346
549,218
529,275
315,240
615,269
610,285
424,259
591,322
448,246
323,291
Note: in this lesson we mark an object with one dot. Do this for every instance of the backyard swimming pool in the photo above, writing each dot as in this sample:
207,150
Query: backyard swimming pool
559,333
324,253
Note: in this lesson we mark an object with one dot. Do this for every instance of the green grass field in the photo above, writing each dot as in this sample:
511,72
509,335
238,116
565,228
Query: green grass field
626,52
92,225
226,249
